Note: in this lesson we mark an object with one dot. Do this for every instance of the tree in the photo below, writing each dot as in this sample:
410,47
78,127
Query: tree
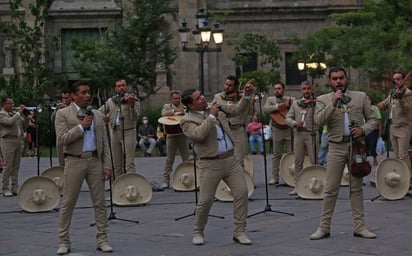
29,42
248,46
130,51
376,38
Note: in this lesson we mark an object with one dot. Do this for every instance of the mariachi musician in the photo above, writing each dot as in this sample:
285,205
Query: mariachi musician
399,103
174,141
349,118
277,106
300,117
231,96
122,111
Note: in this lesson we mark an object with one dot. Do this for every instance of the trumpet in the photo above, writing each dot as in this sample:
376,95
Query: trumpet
27,110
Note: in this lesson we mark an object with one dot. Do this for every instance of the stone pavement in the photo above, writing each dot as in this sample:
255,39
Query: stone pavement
158,234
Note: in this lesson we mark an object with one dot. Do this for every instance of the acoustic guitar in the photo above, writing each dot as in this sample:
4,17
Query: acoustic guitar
279,116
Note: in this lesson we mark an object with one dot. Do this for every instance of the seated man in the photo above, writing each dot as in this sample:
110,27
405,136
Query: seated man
146,134
254,130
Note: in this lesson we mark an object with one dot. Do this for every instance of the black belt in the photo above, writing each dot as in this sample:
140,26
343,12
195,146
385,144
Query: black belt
345,139
11,137
83,155
302,129
223,155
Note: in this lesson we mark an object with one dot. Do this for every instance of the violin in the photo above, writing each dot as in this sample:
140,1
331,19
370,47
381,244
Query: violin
360,167
304,103
233,96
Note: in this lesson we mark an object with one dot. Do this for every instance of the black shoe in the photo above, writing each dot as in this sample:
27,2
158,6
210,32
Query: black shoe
253,153
149,155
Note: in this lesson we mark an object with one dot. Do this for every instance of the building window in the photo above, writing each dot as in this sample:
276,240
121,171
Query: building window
293,75
248,66
68,35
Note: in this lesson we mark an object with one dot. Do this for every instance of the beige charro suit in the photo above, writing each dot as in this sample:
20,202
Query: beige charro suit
12,128
401,125
173,143
123,113
238,124
359,112
71,135
281,137
303,136
200,128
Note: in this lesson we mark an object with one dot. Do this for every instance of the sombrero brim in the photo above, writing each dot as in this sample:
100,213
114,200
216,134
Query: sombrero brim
142,185
303,182
186,167
397,166
25,195
287,168
224,194
56,174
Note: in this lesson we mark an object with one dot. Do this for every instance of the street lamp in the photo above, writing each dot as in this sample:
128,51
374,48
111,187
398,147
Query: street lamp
201,36
312,68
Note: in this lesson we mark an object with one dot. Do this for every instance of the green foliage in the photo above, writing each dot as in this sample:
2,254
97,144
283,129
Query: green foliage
268,55
262,79
130,51
376,38
153,113
28,41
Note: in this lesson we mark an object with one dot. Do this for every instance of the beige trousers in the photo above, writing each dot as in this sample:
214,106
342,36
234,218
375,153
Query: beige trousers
12,150
173,143
212,171
400,137
239,136
337,158
303,143
118,150
75,171
281,139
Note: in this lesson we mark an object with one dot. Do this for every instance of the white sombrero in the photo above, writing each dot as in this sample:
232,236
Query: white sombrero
38,194
392,179
223,192
183,178
131,189
287,168
311,182
345,177
57,175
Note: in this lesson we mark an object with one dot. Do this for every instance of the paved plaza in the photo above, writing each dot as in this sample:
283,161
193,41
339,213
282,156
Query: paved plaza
285,231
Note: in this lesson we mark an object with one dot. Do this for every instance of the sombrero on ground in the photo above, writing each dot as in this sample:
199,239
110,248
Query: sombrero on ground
311,182
131,189
56,174
287,168
392,179
183,178
38,194
223,192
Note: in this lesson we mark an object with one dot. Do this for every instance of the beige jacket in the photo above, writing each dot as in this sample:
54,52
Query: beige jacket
130,115
358,109
71,135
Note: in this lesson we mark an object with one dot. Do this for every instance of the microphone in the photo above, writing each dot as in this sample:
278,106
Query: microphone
339,103
223,110
89,111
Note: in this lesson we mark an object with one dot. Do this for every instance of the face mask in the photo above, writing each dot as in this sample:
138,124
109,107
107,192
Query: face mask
145,121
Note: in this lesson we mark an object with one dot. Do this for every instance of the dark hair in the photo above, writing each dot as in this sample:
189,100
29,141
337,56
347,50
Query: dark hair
399,72
337,69
187,97
75,87
233,78
173,93
282,84
65,91
4,99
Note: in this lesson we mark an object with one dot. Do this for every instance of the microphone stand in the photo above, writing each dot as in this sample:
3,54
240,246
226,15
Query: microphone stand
313,133
50,134
123,136
112,215
196,199
267,206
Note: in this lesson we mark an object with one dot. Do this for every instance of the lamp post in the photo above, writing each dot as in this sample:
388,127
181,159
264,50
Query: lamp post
312,68
201,35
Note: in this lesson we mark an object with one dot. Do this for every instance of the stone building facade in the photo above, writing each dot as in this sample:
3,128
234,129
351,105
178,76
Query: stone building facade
277,19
